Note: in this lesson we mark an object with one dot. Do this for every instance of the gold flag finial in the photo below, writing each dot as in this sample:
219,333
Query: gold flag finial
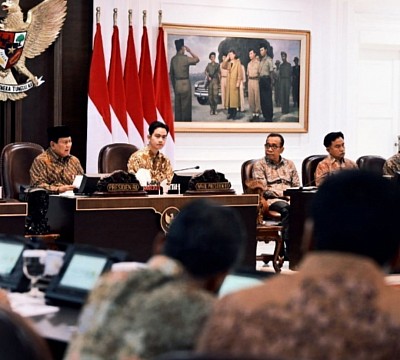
98,15
159,18
144,17
130,17
115,15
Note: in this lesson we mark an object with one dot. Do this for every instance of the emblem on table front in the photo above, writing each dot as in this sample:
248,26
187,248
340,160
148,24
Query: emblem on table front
168,216
21,40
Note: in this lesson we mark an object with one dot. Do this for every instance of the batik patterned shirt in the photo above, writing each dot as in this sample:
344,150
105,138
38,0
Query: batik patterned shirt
49,171
159,165
141,314
276,177
330,165
336,307
392,165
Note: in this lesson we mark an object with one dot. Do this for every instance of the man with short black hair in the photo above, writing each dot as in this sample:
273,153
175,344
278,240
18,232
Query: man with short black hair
55,169
150,157
212,78
337,305
145,313
277,174
253,87
335,161
266,69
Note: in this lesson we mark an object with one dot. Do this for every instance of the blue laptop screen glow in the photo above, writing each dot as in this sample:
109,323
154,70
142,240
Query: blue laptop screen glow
83,271
9,255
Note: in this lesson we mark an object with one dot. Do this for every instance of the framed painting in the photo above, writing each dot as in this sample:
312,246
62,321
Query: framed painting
209,96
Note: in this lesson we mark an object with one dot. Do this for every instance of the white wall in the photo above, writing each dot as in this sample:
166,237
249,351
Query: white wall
354,76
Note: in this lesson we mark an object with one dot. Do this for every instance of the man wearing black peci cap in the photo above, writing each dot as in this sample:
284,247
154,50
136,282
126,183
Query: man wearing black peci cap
55,169
179,75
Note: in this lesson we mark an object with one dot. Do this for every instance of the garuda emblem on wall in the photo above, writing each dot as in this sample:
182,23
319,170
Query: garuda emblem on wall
21,40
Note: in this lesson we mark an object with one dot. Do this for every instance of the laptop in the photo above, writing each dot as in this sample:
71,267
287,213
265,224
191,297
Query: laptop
82,267
12,277
242,279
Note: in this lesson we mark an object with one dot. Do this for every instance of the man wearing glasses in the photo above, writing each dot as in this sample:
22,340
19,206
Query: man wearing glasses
277,174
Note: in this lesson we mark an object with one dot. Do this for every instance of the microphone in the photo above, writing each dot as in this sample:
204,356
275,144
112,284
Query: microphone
189,168
315,180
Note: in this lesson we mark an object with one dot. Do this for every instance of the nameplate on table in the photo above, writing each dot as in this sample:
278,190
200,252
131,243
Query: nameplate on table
213,186
123,187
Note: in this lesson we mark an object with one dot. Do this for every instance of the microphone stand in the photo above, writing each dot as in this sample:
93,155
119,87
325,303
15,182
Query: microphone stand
189,168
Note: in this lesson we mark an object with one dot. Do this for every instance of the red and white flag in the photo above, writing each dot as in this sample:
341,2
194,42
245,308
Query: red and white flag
116,92
99,128
162,94
146,82
133,94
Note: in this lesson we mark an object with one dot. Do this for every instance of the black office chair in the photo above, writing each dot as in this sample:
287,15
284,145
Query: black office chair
115,157
372,163
308,167
15,161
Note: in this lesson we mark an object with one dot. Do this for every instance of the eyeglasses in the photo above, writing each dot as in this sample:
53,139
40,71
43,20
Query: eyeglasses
272,146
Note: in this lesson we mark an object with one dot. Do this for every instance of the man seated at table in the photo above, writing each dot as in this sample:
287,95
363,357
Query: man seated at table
337,305
144,313
55,169
335,161
276,174
151,158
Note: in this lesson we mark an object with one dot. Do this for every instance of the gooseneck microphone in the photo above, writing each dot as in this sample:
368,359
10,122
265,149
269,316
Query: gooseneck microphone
189,168
315,180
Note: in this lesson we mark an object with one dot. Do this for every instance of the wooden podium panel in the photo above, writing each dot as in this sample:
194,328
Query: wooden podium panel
300,201
12,217
131,223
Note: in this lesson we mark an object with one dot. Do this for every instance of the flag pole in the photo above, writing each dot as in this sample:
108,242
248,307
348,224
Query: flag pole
130,17
144,17
159,18
98,15
115,16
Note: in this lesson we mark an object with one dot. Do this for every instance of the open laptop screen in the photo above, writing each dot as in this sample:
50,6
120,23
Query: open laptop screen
83,271
11,274
9,256
242,279
82,266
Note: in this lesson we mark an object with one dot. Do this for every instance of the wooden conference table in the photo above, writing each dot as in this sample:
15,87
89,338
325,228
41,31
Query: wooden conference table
12,217
132,223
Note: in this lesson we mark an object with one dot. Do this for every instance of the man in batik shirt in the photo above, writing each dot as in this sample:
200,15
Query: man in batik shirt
55,169
392,165
151,158
277,174
335,161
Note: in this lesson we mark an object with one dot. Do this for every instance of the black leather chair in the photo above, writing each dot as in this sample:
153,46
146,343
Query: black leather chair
115,157
15,161
308,167
371,163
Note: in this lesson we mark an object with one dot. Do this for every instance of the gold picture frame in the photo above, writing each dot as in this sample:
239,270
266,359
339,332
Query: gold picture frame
202,40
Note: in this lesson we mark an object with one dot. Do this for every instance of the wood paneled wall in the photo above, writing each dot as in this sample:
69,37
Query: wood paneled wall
62,99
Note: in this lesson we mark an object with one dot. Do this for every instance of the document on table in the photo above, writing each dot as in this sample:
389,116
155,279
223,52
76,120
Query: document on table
28,306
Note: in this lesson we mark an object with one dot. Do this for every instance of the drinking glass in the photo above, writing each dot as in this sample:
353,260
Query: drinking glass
33,268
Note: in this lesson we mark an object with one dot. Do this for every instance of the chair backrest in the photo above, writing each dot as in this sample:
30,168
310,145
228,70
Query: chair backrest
371,163
15,161
115,157
247,173
308,167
